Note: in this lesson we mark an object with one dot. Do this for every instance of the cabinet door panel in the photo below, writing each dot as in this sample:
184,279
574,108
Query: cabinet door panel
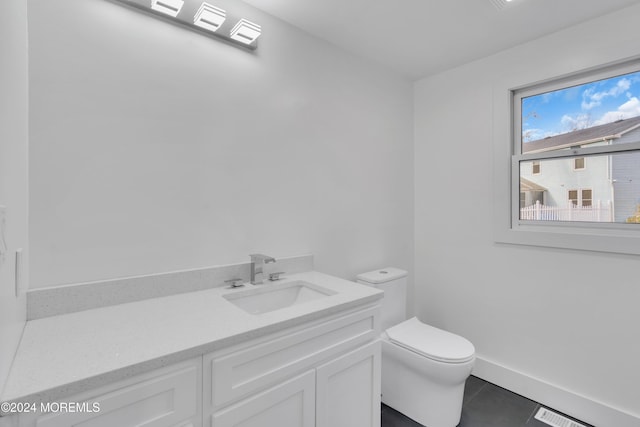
290,404
167,399
348,389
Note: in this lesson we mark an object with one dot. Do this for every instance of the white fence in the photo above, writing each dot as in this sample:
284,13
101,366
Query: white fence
600,212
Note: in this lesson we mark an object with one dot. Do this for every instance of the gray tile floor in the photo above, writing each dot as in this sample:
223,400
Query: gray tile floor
484,405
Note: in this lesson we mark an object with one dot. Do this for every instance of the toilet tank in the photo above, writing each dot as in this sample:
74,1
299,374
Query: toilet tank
393,282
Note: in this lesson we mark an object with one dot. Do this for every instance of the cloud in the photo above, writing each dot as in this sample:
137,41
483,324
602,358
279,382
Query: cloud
533,134
632,106
591,98
571,123
629,109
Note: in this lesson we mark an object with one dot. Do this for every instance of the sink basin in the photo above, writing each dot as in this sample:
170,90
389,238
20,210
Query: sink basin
271,297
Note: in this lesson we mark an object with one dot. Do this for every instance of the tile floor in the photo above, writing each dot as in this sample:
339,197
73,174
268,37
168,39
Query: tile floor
484,405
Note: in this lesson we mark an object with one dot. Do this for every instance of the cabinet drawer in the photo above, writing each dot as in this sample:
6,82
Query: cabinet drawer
231,376
167,397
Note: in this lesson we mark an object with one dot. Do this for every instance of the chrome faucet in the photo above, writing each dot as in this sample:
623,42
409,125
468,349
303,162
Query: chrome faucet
257,265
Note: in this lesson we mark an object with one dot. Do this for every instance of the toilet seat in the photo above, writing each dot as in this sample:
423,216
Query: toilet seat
431,342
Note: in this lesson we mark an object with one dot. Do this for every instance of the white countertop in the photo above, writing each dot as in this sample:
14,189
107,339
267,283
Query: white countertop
67,354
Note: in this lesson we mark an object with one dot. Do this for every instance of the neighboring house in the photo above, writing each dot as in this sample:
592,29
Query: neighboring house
530,192
585,182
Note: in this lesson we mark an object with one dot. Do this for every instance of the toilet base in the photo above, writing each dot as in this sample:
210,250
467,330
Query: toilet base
427,391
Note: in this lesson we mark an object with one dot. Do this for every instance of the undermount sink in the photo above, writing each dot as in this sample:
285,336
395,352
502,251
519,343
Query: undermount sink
271,297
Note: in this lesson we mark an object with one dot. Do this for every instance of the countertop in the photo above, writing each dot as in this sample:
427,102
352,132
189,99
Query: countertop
67,354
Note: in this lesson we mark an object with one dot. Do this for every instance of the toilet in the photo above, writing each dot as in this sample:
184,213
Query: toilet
424,368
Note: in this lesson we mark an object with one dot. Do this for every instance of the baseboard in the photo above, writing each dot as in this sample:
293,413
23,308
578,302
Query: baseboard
588,410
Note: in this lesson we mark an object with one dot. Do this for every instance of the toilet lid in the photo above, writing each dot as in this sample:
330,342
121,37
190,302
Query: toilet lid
431,342
382,276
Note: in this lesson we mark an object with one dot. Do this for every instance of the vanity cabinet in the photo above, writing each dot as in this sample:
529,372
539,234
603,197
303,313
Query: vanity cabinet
341,393
327,374
322,373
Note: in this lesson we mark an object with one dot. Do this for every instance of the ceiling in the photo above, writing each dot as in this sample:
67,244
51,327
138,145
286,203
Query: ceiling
422,37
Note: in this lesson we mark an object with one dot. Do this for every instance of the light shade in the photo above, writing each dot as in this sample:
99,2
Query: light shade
245,31
169,7
209,17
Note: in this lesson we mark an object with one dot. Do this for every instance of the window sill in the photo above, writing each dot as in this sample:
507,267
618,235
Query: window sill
612,240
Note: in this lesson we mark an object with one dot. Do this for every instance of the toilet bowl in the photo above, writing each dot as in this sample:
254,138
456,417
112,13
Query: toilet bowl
424,368
424,378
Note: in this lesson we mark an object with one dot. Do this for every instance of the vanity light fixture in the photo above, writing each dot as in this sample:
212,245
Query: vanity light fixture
209,17
169,7
245,31
202,17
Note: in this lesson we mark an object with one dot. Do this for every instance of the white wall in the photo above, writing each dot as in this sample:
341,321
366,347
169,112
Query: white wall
566,319
13,172
155,149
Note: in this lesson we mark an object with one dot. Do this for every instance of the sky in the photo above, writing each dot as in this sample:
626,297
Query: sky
581,107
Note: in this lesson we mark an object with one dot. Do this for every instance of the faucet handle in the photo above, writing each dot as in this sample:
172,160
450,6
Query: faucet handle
234,283
275,276
260,257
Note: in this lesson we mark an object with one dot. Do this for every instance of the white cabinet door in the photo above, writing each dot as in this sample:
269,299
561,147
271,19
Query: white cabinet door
289,404
348,389
167,397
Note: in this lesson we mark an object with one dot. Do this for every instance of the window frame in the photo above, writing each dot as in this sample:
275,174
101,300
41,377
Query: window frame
507,133
572,153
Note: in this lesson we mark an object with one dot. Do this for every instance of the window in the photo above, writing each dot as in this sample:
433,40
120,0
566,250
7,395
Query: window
587,144
573,197
535,167
585,198
580,198
557,127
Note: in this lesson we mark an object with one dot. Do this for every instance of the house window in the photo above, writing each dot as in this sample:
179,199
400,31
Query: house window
526,130
594,116
535,168
580,198
585,198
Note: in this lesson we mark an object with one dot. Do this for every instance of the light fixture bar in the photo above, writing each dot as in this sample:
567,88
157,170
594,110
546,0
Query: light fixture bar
245,31
209,20
168,7
209,17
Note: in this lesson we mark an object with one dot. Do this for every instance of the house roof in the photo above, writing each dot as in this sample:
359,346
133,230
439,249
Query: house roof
583,136
526,185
